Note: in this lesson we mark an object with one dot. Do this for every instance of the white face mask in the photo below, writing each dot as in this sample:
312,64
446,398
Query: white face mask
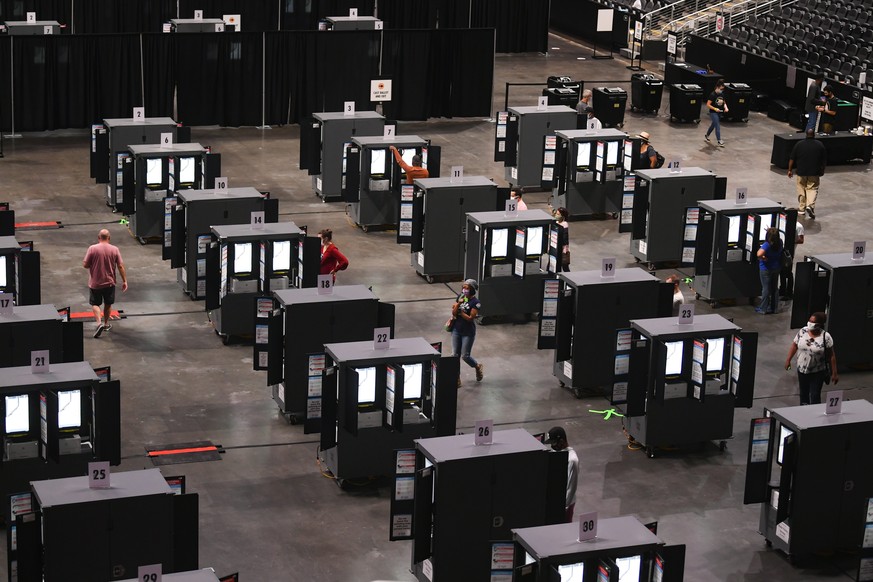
813,325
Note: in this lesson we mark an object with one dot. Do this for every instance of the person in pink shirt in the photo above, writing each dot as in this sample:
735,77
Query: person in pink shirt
101,261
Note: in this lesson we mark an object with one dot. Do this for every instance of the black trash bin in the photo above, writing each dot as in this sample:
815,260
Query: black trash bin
564,82
608,103
561,96
685,102
738,97
646,91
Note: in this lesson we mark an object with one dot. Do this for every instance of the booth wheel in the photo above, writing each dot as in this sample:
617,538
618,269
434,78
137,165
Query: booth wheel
768,543
561,384
713,303
365,228
650,452
577,392
650,266
292,419
225,338
722,446
141,240
428,278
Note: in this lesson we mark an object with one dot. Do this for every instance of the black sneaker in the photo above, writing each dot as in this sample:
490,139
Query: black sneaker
810,212
107,327
99,331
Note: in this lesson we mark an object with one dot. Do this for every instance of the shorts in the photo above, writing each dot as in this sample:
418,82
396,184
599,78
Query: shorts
103,295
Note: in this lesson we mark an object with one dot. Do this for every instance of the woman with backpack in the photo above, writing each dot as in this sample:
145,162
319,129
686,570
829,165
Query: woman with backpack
770,264
649,157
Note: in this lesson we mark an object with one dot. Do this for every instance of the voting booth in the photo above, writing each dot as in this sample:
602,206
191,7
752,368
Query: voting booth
524,135
19,272
27,328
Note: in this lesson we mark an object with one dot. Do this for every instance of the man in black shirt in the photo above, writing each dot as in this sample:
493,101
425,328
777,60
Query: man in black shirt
829,113
808,159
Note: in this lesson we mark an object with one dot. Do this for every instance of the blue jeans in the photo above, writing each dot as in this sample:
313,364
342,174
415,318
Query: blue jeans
769,290
810,123
462,345
715,123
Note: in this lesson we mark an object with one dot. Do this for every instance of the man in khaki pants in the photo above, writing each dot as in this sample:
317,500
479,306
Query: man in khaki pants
808,159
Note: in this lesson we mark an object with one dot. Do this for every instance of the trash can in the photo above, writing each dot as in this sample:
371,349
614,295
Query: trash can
685,102
646,91
561,96
608,103
564,82
738,97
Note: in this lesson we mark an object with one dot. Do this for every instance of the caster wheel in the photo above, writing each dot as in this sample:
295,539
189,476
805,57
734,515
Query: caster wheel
292,419
365,228
614,215
650,267
636,259
722,446
225,339
650,452
561,384
768,543
577,392
697,296
713,304
697,121
429,279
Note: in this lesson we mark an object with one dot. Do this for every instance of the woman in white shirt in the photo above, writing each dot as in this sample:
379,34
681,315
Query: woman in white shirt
816,360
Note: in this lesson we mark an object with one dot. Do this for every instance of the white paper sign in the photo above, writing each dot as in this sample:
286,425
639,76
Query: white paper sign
258,220
380,90
219,27
198,15
31,17
353,12
542,103
98,475
221,184
607,267
686,314
150,573
325,284
867,108
378,25
388,131
39,362
349,108
139,114
638,30
457,174
674,166
6,304
859,250
48,29
671,44
483,432
742,196
381,338
834,402
511,208
587,526
166,140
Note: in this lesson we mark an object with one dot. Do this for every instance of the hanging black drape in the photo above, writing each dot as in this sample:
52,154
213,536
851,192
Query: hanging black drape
453,13
403,14
405,59
45,10
255,16
305,14
218,78
462,69
159,74
96,16
522,25
5,89
72,81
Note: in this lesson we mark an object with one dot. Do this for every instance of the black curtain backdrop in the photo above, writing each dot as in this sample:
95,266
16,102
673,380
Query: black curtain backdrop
522,25
305,14
45,10
461,67
218,78
5,91
159,73
453,13
103,16
403,14
255,16
405,60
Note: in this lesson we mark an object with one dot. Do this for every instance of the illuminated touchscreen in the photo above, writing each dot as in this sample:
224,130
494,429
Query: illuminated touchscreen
17,414
629,569
734,229
366,385
186,170
715,354
611,153
534,240
572,572
69,408
281,255
242,258
784,433
377,162
407,155
154,171
412,380
583,154
766,222
499,239
3,267
674,358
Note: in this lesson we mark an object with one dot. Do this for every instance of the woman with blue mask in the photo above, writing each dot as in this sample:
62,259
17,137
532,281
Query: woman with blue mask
816,360
464,313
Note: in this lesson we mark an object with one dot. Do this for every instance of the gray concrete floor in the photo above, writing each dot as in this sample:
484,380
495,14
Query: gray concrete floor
266,509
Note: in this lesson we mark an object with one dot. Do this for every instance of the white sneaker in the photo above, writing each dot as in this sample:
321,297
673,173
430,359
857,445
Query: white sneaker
721,144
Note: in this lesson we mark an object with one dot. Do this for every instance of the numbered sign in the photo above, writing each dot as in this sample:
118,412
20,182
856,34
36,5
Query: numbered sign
511,208
198,15
483,432
349,108
381,338
542,103
378,26
48,29
98,475
219,27
353,12
166,140
674,166
686,314
31,16
221,184
150,573
859,249
388,131
834,402
457,174
139,113
587,526
607,267
39,362
325,284
258,220
6,304
742,195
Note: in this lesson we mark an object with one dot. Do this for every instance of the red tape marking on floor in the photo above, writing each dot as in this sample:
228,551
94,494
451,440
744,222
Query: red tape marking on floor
45,224
182,451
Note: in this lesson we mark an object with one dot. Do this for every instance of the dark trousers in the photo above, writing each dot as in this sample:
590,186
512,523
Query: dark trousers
786,282
810,386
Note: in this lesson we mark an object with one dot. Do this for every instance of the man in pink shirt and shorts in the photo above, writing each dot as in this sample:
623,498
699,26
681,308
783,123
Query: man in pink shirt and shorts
101,261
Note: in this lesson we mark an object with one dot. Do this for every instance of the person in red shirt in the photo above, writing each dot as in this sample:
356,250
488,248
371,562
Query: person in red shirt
101,261
332,260
413,172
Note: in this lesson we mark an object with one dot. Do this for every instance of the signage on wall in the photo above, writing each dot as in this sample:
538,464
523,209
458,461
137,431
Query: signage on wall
380,90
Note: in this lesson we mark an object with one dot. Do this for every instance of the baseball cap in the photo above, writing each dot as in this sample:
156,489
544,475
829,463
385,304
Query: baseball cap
556,433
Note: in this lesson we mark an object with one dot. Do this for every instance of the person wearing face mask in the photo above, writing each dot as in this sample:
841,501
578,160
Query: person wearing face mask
816,360
557,438
716,106
516,195
563,239
464,312
332,260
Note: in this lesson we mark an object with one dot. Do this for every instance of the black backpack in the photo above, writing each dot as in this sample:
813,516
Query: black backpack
660,161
